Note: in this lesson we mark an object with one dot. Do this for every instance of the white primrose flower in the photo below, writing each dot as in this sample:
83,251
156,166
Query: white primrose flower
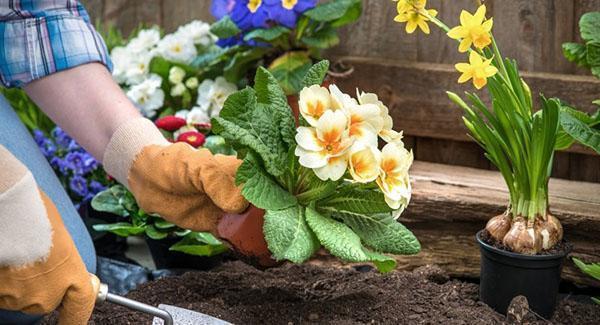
138,68
364,162
324,148
176,75
176,48
192,83
197,116
147,95
144,41
339,100
121,59
212,95
313,102
198,31
178,90
394,180
386,132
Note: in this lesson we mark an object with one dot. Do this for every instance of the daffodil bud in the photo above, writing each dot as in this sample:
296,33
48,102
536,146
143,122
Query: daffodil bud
176,75
192,83
178,90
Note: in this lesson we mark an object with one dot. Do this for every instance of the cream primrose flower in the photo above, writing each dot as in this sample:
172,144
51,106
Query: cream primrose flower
324,148
313,102
364,162
177,48
212,95
394,180
198,31
364,121
121,59
147,95
178,90
176,75
386,132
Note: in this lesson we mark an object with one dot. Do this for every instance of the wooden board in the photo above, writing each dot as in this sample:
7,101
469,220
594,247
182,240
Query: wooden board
450,204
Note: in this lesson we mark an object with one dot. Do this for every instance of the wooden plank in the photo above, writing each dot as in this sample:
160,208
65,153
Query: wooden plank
583,167
185,11
459,153
415,94
449,204
129,14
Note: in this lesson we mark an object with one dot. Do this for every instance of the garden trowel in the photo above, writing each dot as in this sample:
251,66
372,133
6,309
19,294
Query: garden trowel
164,314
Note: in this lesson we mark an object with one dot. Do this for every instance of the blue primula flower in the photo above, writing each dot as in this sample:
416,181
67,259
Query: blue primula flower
61,137
78,185
286,12
75,161
246,14
96,187
221,8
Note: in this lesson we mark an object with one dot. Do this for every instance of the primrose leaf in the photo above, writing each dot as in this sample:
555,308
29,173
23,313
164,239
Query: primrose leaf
288,236
336,237
242,62
260,189
315,188
381,232
580,131
316,74
123,229
109,201
269,34
383,263
244,123
193,244
330,11
322,39
351,15
589,26
593,54
269,92
224,28
289,69
352,199
575,52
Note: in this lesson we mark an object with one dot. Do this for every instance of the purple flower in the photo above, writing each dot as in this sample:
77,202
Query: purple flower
286,12
96,187
61,137
221,8
46,145
75,161
59,164
248,14
78,185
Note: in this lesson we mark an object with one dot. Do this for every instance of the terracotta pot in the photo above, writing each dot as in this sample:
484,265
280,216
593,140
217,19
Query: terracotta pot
244,233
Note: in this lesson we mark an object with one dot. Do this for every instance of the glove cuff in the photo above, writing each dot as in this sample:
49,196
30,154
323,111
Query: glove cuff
126,144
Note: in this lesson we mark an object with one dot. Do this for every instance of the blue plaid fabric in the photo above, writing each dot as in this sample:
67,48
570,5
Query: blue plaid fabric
40,37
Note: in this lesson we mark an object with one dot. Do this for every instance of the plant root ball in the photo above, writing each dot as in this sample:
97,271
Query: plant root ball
498,226
550,230
523,238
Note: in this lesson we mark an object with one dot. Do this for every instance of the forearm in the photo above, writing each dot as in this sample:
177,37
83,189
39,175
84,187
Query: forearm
85,102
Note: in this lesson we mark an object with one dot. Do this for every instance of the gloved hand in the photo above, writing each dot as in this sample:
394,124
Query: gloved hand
188,187
40,268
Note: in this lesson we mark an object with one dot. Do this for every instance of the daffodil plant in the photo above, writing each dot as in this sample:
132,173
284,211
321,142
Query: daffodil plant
324,183
517,139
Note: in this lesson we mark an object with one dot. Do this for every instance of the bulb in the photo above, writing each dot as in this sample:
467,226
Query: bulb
498,226
551,231
523,237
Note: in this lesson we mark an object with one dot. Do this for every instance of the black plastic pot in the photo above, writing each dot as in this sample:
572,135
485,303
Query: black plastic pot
505,275
166,259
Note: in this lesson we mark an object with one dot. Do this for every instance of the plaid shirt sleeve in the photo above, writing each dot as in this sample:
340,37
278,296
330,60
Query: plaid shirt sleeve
41,37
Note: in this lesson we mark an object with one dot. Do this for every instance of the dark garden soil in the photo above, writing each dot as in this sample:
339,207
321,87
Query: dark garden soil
309,294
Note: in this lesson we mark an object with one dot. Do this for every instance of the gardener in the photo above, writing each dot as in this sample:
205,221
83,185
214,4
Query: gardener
51,50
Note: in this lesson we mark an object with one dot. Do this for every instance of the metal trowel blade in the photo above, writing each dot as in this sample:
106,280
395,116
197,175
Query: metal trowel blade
182,316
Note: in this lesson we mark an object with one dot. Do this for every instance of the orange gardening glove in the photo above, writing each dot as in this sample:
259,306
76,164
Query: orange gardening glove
40,268
188,187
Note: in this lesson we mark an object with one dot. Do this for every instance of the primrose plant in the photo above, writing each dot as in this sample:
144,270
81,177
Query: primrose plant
325,183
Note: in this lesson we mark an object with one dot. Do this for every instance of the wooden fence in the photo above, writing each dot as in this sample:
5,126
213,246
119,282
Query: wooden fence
411,72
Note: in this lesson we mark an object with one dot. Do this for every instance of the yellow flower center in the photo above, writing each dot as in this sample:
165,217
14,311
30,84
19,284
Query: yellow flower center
253,5
177,48
289,4
192,138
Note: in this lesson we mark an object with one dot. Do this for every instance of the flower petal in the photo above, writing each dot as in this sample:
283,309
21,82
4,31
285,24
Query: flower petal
306,138
334,170
331,126
310,159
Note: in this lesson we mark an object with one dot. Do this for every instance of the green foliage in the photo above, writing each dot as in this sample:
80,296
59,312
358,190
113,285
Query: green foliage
592,270
118,200
225,28
217,145
302,211
111,35
268,35
29,113
586,54
581,131
340,11
289,70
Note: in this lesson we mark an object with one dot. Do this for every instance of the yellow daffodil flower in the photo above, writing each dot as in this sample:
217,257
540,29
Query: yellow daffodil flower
324,148
364,162
478,69
393,179
313,103
473,30
411,13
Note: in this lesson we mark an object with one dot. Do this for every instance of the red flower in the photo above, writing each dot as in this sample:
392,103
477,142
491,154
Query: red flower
170,123
193,138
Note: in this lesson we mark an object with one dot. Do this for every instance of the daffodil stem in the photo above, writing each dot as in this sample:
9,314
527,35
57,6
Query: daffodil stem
498,57
434,20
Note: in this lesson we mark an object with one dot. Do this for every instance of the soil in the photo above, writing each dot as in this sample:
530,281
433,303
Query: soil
310,294
562,248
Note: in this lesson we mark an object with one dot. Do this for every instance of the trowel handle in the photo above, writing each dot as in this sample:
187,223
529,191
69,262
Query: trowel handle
104,295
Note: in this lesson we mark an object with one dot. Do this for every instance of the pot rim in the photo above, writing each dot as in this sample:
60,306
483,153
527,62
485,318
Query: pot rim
520,256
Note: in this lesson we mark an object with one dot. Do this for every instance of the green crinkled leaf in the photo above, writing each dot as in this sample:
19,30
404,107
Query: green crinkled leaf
322,39
269,92
242,62
155,234
217,145
580,131
289,69
593,54
316,74
268,35
245,123
336,237
575,52
288,236
193,244
123,229
589,26
330,11
351,15
381,232
383,263
260,189
315,188
356,200
224,28
109,201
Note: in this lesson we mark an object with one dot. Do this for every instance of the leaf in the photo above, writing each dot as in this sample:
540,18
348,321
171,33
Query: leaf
381,232
260,189
192,244
288,236
575,52
123,229
383,263
356,200
225,28
336,237
163,224
289,69
246,124
589,26
592,269
268,35
331,10
270,93
581,131
351,15
109,201
155,234
207,238
212,55
315,188
316,74
242,62
322,39
593,54
217,145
